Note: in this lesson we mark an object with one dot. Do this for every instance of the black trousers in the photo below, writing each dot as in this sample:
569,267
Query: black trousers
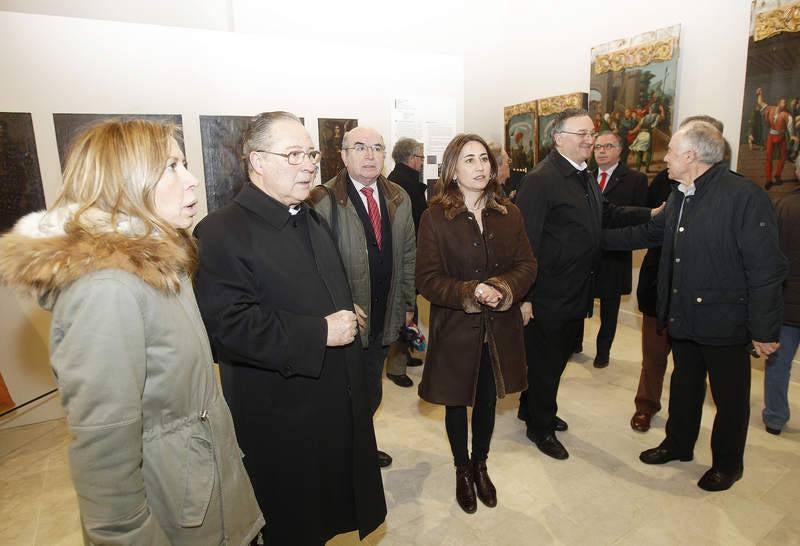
609,311
548,344
455,419
728,370
374,357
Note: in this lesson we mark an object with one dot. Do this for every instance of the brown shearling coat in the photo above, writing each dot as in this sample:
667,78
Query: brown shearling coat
453,256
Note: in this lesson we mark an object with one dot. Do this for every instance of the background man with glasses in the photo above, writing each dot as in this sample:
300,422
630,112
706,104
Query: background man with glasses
374,231
564,212
622,187
279,313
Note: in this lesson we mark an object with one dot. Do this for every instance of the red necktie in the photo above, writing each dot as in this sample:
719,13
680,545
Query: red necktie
603,176
374,215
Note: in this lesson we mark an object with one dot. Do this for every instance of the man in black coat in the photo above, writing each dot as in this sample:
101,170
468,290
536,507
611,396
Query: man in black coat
719,288
620,186
279,313
564,212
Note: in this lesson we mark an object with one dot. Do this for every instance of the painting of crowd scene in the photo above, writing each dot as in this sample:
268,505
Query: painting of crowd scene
769,141
225,174
632,93
21,189
548,109
331,132
521,132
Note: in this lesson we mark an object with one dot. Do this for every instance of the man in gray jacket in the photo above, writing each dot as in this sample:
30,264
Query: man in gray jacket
374,230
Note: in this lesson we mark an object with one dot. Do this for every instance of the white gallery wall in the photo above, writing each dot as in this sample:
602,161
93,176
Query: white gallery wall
76,65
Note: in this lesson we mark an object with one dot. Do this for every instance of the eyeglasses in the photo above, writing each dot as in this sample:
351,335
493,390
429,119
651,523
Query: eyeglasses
419,156
360,148
582,134
605,147
296,157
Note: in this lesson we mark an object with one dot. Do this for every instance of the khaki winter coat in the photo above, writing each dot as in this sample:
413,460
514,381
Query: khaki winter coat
154,457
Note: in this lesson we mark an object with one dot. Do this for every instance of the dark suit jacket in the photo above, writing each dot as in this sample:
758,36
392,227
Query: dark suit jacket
626,187
409,179
564,213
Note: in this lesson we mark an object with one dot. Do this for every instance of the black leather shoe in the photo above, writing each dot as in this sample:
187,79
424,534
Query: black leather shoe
414,362
559,424
714,480
401,380
384,459
600,362
522,414
549,445
578,348
775,431
465,488
661,455
483,484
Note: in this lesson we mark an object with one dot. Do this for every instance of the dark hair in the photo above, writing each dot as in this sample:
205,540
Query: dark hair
620,143
258,134
557,125
446,191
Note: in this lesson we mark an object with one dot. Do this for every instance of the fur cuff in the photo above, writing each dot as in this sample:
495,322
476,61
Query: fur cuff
468,301
503,287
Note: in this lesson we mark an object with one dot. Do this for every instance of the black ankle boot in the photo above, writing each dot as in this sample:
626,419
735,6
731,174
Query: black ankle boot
483,484
465,488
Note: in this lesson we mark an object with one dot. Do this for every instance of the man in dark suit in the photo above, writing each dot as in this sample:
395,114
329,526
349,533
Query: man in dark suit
279,314
564,213
622,187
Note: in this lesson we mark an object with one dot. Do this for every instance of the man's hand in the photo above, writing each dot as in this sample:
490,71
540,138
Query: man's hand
409,317
487,295
657,211
526,308
765,349
342,327
361,316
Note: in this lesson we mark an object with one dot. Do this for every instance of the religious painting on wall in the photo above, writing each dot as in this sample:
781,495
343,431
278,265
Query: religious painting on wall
21,189
69,125
224,167
632,93
548,109
768,142
521,134
331,132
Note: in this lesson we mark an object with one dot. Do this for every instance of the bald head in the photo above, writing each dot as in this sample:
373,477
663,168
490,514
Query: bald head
363,153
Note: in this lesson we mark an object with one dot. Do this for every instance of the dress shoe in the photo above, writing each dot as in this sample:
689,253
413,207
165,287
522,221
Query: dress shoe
578,348
600,362
413,362
384,459
401,380
465,488
522,414
559,424
483,484
661,455
640,422
714,480
775,431
549,445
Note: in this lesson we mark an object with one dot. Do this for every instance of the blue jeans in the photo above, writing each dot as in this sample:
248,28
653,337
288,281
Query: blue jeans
776,378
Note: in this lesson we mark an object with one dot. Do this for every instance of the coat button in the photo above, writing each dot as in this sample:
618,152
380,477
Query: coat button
681,229
677,260
672,319
476,244
699,300
477,271
674,290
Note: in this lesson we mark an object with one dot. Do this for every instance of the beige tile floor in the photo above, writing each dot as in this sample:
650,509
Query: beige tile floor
601,495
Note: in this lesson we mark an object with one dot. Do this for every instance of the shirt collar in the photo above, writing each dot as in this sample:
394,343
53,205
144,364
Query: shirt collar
579,167
358,185
609,170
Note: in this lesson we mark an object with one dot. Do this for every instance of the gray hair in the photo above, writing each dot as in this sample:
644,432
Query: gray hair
702,117
258,135
620,143
496,150
557,125
404,149
706,142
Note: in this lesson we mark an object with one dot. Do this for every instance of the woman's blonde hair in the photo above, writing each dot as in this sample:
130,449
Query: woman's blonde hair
114,166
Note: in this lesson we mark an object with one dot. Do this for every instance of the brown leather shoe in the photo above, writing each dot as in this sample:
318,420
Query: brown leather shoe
483,484
640,422
465,488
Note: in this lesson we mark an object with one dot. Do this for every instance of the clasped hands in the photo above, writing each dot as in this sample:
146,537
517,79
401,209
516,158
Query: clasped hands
487,295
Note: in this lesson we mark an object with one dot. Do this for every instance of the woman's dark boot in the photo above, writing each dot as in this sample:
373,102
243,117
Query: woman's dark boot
483,484
465,488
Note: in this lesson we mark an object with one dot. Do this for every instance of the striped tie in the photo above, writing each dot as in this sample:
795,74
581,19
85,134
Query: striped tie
374,215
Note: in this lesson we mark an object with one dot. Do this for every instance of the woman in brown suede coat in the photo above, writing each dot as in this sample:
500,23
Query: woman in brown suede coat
474,263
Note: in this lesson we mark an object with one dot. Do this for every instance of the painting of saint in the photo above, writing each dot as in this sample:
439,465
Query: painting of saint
770,133
633,83
21,189
331,132
548,109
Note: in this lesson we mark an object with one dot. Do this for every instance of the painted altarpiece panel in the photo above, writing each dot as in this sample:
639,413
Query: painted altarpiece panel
521,133
548,109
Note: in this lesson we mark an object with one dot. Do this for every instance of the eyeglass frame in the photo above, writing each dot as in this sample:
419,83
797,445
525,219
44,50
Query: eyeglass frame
593,134
303,158
366,147
607,146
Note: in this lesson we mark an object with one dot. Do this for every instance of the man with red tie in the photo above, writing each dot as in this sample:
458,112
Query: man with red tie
622,187
374,230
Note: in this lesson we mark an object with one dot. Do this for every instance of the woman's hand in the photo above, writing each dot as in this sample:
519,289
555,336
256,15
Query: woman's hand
487,295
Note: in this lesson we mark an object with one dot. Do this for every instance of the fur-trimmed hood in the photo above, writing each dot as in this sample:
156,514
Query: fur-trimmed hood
44,255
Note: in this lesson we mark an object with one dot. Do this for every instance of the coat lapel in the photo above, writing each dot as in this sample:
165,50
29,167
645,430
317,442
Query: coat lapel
616,178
